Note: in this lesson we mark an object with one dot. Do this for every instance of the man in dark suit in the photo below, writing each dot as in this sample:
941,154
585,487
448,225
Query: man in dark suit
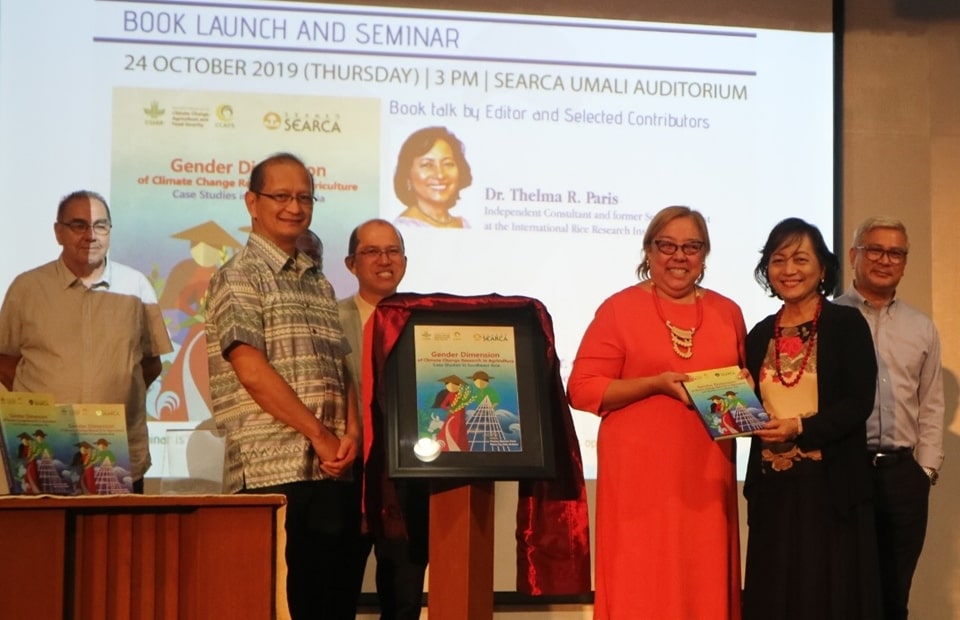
398,534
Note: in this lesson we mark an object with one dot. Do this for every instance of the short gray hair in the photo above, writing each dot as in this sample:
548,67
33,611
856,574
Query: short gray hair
84,194
878,221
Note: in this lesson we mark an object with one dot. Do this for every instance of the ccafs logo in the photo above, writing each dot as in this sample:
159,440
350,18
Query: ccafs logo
224,115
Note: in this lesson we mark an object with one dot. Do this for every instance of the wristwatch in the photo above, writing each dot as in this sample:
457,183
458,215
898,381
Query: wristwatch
933,474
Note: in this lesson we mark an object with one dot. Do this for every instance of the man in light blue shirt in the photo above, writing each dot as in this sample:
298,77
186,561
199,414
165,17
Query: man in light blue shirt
905,430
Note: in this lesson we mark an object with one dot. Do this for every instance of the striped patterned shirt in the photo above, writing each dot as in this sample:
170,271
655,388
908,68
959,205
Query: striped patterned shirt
286,308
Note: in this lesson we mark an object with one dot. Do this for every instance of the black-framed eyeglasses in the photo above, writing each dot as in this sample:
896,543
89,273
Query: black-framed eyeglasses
669,248
82,227
371,253
304,200
896,256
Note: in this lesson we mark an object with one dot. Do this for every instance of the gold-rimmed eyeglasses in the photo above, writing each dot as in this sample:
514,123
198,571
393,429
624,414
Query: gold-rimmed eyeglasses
283,198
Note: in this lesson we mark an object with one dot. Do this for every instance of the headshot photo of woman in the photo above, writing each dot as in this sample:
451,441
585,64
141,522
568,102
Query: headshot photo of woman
431,171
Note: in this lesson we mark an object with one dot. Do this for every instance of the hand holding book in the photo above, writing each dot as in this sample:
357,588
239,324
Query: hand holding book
725,402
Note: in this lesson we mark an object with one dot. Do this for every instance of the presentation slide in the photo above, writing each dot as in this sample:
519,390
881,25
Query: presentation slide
566,135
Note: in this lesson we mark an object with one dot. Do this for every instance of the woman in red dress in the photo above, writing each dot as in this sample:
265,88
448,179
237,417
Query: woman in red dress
27,454
87,454
667,533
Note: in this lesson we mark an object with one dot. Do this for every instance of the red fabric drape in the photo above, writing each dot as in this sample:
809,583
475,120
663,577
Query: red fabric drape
553,546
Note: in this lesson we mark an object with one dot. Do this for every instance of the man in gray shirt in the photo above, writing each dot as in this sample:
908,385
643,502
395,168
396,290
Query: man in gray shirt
905,430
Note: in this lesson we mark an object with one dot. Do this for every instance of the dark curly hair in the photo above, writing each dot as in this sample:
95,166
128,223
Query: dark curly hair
793,230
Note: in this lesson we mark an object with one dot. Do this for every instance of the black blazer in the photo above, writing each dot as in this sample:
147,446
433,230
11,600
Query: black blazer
846,387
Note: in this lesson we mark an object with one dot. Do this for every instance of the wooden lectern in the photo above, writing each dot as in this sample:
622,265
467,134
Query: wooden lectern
138,556
461,550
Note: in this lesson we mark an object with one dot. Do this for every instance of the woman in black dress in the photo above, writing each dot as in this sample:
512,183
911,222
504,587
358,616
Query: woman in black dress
811,551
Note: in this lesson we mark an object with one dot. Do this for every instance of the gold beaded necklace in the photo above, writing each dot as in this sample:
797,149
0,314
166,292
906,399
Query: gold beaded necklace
681,339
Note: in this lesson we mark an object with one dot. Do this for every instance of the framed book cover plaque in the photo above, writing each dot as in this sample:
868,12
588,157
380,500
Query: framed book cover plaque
467,396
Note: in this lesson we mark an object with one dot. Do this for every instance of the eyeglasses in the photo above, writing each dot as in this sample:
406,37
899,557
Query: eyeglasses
669,248
896,256
371,253
304,200
82,227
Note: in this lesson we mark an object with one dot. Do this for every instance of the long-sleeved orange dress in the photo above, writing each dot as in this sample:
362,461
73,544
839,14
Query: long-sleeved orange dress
667,534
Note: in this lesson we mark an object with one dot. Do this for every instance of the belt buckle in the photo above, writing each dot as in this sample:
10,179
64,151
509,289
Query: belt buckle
876,458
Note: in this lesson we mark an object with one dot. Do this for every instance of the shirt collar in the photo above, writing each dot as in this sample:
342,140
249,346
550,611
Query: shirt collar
364,307
854,294
106,278
67,278
277,259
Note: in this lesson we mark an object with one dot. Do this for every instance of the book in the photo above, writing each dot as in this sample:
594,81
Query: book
725,403
14,399
101,458
59,449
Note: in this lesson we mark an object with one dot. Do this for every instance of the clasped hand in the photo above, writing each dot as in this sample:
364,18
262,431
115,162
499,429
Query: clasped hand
336,454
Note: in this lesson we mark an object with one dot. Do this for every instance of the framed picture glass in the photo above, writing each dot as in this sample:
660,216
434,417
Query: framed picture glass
467,396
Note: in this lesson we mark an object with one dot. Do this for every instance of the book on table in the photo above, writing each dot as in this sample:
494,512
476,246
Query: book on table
59,449
725,402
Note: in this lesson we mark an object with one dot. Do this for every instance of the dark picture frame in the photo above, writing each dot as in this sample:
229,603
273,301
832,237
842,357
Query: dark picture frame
534,399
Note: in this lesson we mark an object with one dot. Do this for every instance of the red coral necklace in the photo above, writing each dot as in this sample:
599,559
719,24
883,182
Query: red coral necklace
682,339
806,355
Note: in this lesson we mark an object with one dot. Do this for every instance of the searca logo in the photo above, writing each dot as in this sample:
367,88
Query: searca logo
490,337
299,122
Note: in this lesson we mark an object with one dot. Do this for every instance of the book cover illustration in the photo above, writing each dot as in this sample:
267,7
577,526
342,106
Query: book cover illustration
725,402
46,453
37,444
15,398
101,459
467,387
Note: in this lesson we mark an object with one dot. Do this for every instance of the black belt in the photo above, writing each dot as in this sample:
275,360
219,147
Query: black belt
889,458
